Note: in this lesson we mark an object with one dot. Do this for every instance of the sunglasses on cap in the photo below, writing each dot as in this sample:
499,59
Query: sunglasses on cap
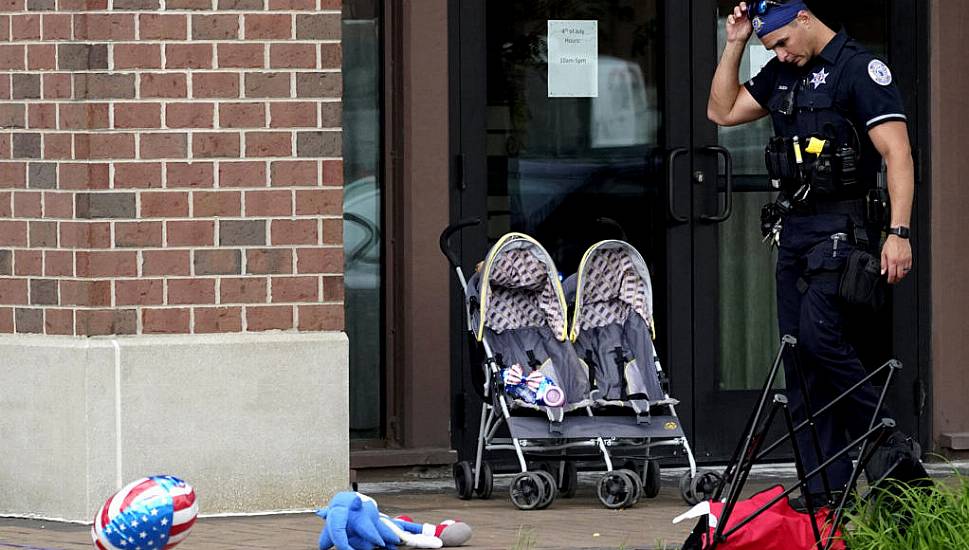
761,7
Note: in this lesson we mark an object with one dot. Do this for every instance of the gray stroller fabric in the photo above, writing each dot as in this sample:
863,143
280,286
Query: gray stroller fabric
612,324
517,306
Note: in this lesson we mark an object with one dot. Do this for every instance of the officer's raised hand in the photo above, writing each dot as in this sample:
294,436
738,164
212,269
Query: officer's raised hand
739,27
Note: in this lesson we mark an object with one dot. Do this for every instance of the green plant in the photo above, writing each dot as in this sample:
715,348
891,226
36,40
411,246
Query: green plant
913,518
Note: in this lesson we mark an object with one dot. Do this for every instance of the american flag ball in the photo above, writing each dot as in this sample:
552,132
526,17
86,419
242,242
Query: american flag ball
151,513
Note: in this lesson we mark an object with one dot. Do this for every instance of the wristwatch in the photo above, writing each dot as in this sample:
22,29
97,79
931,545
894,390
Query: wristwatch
901,232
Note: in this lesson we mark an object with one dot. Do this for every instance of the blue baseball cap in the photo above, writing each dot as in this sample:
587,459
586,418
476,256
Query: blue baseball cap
770,15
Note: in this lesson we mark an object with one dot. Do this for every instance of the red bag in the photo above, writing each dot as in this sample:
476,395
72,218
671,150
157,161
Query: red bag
779,527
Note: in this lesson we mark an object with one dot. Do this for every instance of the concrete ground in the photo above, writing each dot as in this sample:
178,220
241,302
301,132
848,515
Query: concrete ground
428,496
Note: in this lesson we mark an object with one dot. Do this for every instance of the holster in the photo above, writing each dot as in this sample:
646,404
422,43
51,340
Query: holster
861,282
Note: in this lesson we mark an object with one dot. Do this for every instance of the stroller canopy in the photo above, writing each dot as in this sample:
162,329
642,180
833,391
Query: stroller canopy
518,288
613,283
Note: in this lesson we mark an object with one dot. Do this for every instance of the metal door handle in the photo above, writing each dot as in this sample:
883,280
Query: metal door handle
670,160
728,199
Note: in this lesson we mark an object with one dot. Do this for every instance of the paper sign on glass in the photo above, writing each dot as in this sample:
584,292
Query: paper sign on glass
759,57
573,58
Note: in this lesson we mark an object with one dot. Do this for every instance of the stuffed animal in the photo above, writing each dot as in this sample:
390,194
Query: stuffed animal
536,388
353,522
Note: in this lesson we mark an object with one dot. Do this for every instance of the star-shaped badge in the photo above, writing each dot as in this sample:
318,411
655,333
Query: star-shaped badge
819,78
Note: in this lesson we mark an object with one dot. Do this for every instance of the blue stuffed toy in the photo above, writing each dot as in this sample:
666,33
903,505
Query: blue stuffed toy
353,522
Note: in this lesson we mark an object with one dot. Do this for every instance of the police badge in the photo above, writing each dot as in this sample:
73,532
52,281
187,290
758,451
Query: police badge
879,72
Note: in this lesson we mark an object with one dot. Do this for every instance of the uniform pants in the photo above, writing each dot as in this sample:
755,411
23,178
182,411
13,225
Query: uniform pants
812,312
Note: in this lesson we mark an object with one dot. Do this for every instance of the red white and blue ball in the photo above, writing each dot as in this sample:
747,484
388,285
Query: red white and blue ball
152,513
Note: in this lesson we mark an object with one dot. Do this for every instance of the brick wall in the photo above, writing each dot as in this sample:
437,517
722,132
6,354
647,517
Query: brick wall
170,166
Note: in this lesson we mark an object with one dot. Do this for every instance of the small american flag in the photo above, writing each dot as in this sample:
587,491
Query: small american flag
152,513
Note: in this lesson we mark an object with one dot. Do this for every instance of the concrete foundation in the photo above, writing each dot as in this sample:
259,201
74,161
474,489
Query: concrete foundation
255,422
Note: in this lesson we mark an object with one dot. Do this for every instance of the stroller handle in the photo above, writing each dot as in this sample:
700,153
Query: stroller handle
446,237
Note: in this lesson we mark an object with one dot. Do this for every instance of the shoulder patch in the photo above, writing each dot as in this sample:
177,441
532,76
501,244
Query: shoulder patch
879,72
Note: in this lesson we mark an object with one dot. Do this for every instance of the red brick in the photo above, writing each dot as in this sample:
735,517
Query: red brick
163,85
293,115
188,56
215,144
85,293
166,262
84,115
218,319
334,289
42,115
240,55
112,26
6,320
137,234
13,233
6,204
242,174
295,56
102,322
242,115
163,27
243,290
212,85
57,86
269,144
264,261
58,205
165,320
41,57
28,262
167,204
139,292
293,232
13,174
191,291
58,263
137,56
13,291
328,202
216,203
104,146
299,5
85,234
219,261
57,146
12,57
108,263
268,26
157,146
333,232
59,321
188,4
331,56
319,260
137,115
137,175
215,27
27,204
189,115
268,85
294,172
331,4
321,317
295,289
189,174
269,203
259,318
57,26
84,176
4,140
104,85
191,233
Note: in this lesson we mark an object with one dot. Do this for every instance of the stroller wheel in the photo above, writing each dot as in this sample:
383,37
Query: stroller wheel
569,480
615,489
686,489
486,481
705,485
637,487
463,479
527,491
548,481
652,480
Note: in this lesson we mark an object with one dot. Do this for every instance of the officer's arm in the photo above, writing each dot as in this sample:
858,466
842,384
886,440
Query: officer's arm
891,140
730,103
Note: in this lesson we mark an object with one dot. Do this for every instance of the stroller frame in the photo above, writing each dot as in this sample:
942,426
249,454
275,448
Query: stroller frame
751,450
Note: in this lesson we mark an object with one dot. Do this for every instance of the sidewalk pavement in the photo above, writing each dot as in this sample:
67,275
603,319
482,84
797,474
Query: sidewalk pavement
580,522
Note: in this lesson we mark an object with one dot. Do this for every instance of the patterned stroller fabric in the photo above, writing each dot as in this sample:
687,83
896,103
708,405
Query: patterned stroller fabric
613,323
516,301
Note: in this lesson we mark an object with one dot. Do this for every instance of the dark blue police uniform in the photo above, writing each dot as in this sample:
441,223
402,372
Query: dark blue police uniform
840,95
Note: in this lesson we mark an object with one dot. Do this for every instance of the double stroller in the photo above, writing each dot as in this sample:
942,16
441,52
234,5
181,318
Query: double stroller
556,392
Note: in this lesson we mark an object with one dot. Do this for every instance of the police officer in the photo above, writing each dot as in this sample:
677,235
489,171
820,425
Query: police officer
826,93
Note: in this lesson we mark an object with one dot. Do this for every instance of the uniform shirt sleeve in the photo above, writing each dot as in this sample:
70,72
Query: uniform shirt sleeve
874,95
762,86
